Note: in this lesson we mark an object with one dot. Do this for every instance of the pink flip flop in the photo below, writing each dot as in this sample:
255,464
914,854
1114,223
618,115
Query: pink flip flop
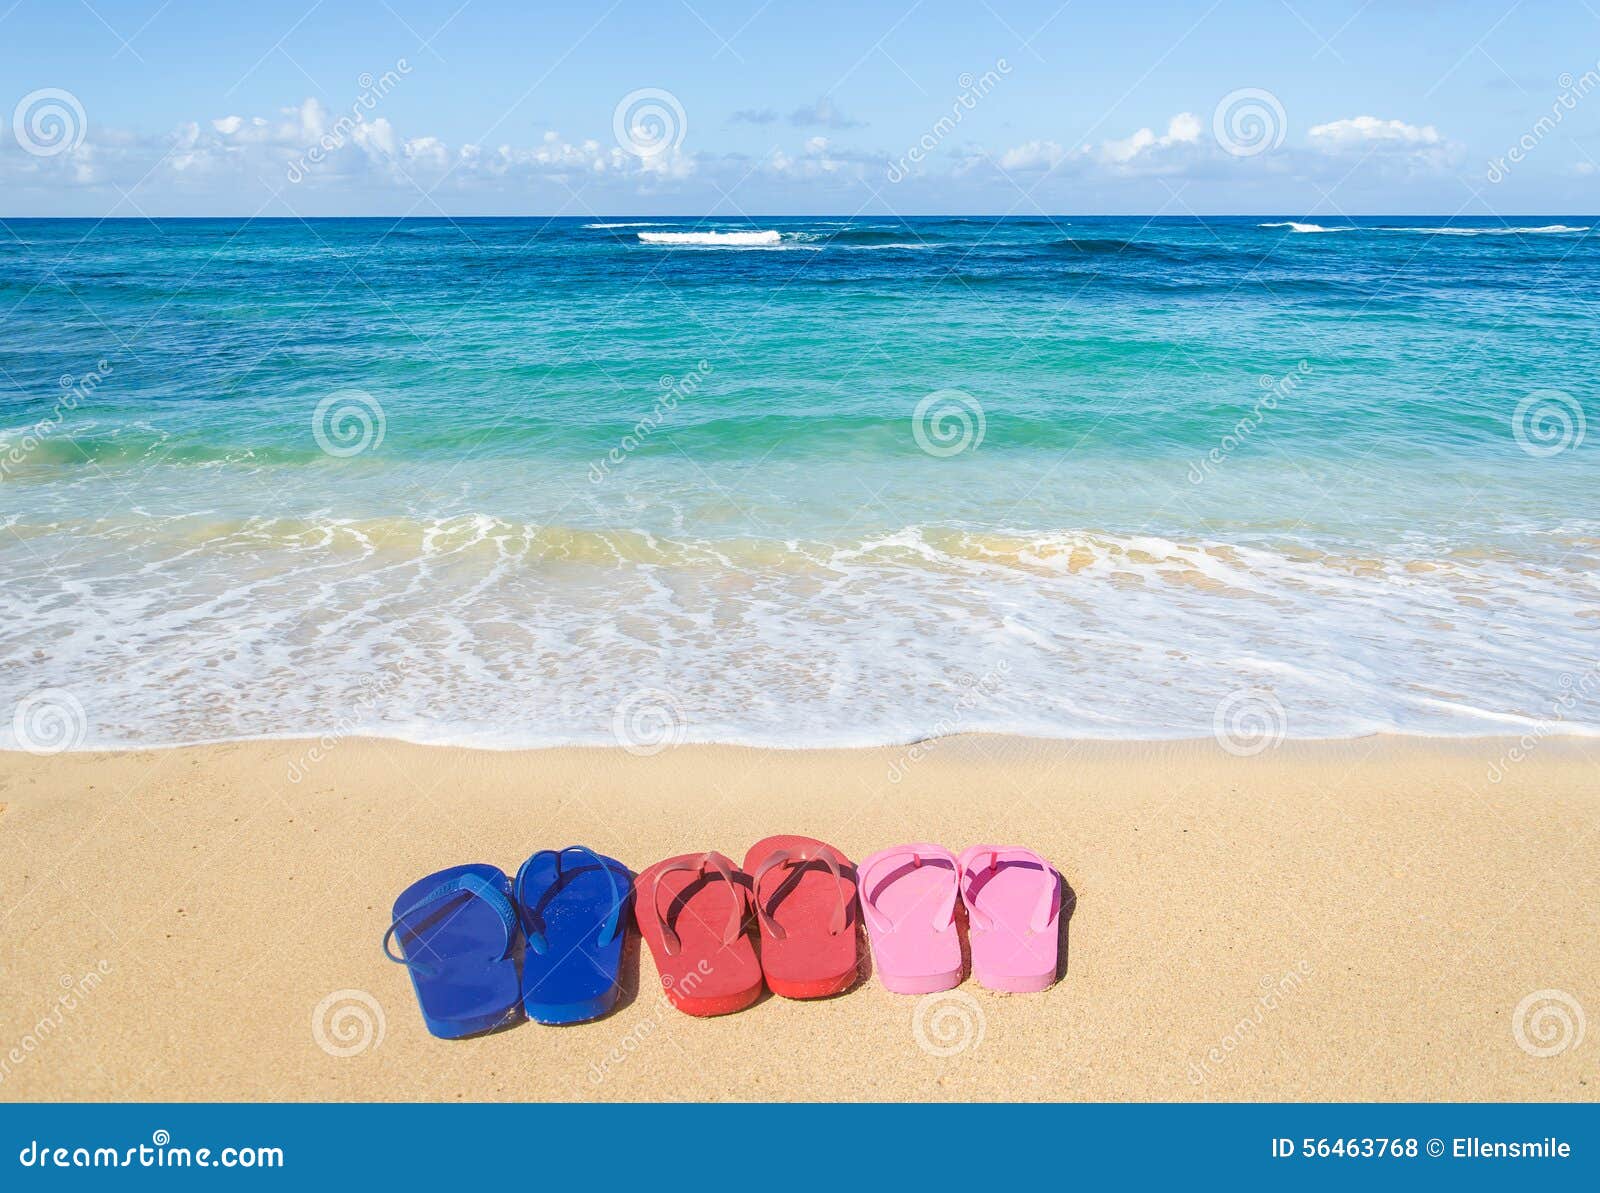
1013,899
908,898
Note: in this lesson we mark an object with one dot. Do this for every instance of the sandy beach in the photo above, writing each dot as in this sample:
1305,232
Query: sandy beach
1326,920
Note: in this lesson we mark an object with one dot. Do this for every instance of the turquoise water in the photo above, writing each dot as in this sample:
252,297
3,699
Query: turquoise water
518,482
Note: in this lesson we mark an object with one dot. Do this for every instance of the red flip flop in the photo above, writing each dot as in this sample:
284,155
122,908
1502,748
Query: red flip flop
691,911
805,897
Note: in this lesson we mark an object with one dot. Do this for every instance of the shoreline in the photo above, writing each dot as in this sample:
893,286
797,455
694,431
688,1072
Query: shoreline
1334,920
1568,731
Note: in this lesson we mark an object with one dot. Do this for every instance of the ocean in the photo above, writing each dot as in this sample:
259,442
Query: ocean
797,482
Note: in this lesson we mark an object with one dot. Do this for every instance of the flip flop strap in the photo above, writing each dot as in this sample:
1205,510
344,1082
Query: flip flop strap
782,857
724,868
944,914
472,885
1042,910
608,930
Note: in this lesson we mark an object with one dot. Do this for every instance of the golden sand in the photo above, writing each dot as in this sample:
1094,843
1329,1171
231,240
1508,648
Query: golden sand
1349,920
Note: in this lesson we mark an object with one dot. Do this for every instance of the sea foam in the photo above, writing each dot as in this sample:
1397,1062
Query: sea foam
716,239
1299,227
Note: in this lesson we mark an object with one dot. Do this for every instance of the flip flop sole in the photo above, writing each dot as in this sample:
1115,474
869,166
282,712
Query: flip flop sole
809,962
707,976
903,904
576,978
463,993
813,987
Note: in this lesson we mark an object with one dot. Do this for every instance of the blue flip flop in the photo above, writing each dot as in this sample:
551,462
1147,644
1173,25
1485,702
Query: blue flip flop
460,938
572,916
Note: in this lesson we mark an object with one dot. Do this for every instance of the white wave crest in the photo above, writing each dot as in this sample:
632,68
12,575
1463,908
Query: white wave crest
1543,230
1299,227
728,239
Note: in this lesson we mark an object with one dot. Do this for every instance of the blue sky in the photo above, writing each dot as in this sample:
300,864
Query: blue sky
137,107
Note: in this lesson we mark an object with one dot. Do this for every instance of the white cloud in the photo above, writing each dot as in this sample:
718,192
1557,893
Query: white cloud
1182,129
310,145
1369,130
313,157
823,113
1034,155
820,158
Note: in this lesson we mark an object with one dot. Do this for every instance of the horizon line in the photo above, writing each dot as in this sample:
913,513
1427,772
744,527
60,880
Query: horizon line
831,215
